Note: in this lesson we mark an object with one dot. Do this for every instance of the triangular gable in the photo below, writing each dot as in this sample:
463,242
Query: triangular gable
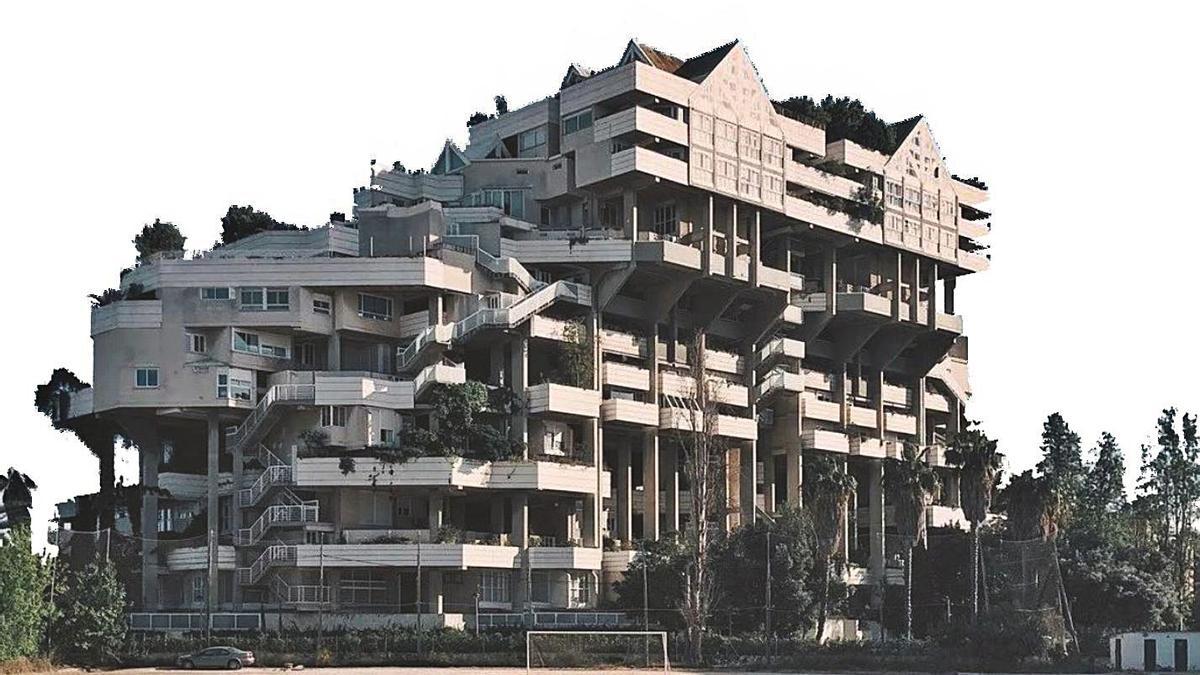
575,75
917,154
450,161
633,52
488,148
732,91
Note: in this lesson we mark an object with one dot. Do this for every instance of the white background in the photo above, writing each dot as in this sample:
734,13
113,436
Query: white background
1082,120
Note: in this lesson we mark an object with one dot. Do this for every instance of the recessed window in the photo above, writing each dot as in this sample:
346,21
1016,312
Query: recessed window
263,299
322,304
232,388
387,437
146,378
252,343
493,586
577,122
531,139
214,293
374,307
334,415
197,343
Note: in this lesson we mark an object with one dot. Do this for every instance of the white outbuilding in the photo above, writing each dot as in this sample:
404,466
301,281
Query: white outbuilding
1155,651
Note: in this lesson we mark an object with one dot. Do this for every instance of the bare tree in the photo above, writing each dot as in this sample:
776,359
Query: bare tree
704,461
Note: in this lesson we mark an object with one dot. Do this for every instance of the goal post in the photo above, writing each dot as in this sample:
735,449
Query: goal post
630,650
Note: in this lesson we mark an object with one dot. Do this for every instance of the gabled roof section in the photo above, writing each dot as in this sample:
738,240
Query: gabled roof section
575,75
450,161
637,51
905,127
698,67
917,153
491,147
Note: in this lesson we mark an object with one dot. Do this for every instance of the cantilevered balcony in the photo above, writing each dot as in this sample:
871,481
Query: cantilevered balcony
636,413
637,120
646,161
825,440
560,399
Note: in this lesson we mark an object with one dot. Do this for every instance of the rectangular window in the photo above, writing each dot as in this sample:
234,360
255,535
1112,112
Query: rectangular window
245,342
362,587
512,202
387,437
198,594
334,415
214,293
146,378
374,307
493,587
322,304
263,299
197,343
554,442
232,388
274,351
308,354
666,219
580,591
532,139
577,122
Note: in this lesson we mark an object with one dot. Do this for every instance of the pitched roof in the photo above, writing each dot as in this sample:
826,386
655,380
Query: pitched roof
660,59
904,127
698,67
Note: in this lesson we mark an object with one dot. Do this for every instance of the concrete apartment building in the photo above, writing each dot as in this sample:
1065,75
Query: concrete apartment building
653,212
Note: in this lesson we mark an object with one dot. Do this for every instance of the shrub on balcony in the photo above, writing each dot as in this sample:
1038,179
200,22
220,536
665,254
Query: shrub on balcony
448,534
843,118
158,237
243,221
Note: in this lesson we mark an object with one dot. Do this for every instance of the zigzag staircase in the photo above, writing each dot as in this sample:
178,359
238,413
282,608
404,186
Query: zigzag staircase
266,413
290,512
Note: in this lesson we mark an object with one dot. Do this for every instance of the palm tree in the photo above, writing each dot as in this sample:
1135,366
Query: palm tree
979,462
830,489
912,483
16,495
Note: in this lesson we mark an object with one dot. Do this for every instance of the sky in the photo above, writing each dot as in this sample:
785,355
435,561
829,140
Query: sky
1078,116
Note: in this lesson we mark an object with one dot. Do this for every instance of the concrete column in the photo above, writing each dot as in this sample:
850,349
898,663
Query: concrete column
214,454
630,209
150,446
496,514
880,413
235,516
875,514
795,477
749,488
650,467
897,286
830,278
623,477
841,392
437,514
768,461
519,376
520,538
670,481
435,597
437,309
755,247
588,531
731,241
706,243
956,416
496,358
919,411
950,283
333,351
932,310
914,304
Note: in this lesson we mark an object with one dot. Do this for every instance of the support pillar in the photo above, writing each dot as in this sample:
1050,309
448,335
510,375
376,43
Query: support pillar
755,247
706,243
650,466
768,460
333,351
932,308
214,454
830,275
624,479
520,538
670,480
919,412
518,380
875,515
437,513
897,286
950,283
630,208
914,301
150,446
731,241
435,600
749,488
795,477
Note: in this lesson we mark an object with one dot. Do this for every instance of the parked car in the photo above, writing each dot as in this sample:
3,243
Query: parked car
231,658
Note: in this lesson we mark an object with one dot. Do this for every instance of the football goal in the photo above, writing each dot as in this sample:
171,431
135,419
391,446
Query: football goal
566,650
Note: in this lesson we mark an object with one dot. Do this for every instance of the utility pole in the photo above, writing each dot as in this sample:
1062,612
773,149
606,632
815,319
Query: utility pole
768,616
476,611
419,598
645,604
321,606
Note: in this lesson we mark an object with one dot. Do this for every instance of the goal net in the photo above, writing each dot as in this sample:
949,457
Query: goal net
566,650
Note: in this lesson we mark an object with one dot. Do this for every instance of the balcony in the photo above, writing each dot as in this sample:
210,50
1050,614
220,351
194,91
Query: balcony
649,162
324,472
862,301
945,516
722,391
900,423
560,399
818,409
951,323
780,348
437,373
626,411
973,261
127,314
454,556
622,343
724,362
936,402
825,440
193,558
860,416
780,381
770,277
867,447
728,426
640,120
565,558
547,328
625,376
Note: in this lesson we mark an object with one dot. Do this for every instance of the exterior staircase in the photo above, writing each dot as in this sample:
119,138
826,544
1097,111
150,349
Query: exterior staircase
291,512
275,554
275,473
266,413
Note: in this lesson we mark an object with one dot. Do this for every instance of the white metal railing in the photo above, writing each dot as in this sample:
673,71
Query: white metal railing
499,265
276,474
274,554
190,621
280,393
302,594
433,333
516,619
278,515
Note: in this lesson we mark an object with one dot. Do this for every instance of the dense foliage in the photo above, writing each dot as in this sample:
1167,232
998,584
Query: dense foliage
159,237
243,221
24,609
844,118
90,622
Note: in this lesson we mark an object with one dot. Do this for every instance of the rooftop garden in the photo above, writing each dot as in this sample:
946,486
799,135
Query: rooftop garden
842,118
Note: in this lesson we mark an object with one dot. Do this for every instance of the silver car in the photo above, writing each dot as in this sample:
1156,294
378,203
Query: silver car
231,658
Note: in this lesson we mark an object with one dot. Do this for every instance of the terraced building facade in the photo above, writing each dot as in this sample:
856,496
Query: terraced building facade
642,217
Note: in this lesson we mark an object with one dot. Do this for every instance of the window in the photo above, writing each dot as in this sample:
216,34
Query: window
531,139
245,342
772,152
493,587
224,514
362,587
404,507
512,202
198,594
580,591
387,437
577,122
146,378
554,441
308,354
322,304
895,194
274,351
214,293
374,307
666,219
197,343
334,415
263,299
233,388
